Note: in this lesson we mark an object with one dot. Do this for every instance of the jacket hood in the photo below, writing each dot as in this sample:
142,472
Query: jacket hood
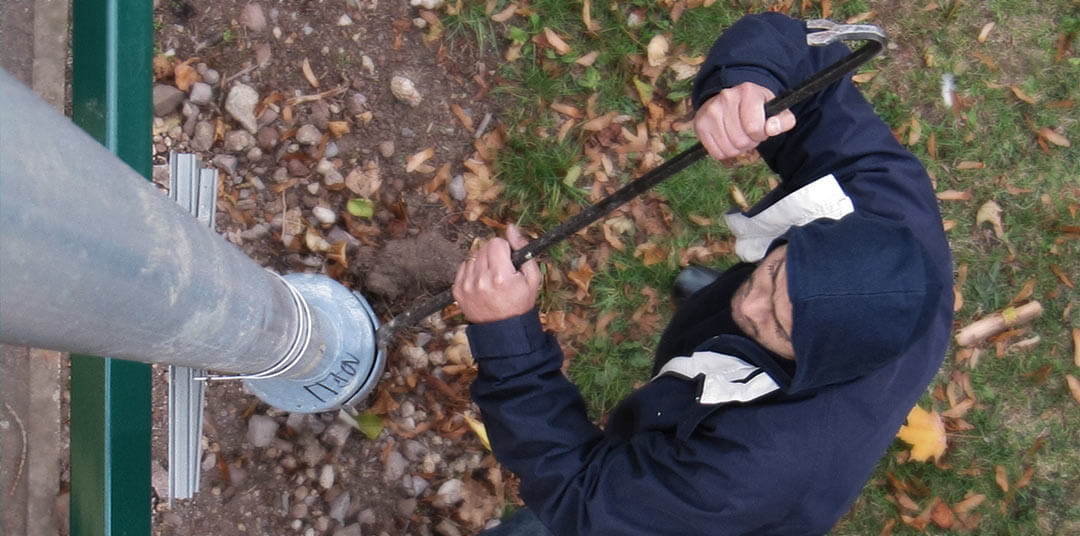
862,290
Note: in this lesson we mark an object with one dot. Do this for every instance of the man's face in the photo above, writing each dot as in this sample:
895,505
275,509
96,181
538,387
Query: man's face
761,306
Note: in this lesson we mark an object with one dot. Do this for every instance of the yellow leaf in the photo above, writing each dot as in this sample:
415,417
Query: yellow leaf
650,254
479,429
657,50
925,432
990,212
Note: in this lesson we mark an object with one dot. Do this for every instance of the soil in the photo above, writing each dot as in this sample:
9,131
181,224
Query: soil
425,472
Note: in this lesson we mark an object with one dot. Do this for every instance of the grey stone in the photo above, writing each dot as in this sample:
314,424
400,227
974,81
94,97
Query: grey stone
395,466
333,179
253,18
166,99
331,150
225,162
211,77
254,154
357,103
338,433
201,93
188,110
298,510
457,188
268,115
308,135
339,507
261,430
386,149
320,114
203,138
263,53
324,215
350,530
297,168
324,167
280,175
240,104
256,231
449,493
326,476
237,141
447,528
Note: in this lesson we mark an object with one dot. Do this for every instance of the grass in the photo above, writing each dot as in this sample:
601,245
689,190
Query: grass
988,146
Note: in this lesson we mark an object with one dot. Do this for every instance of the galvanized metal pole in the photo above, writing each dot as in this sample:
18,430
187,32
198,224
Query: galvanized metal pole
98,261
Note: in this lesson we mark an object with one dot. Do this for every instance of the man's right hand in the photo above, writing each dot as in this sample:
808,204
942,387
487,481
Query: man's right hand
733,122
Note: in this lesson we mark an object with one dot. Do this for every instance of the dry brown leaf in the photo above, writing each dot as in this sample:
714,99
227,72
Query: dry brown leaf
566,109
990,212
478,505
887,530
968,164
1052,136
739,198
337,253
954,195
942,516
657,50
650,254
1025,478
1021,95
861,17
466,120
506,14
959,410
599,123
556,42
1062,276
614,228
587,59
931,145
985,32
1076,346
1025,292
364,181
513,53
970,502
1001,478
305,67
162,67
864,77
915,132
1074,387
582,275
184,75
586,16
826,9
564,130
414,161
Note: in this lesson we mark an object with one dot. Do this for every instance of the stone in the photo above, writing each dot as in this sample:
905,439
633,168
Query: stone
350,530
308,135
261,430
326,476
324,215
356,104
253,18
240,104
254,154
404,91
332,150
263,53
203,138
267,138
298,510
344,20
447,528
320,114
395,466
449,493
297,168
339,507
324,167
225,162
386,149
166,99
457,188
189,110
212,77
414,485
333,178
201,93
237,141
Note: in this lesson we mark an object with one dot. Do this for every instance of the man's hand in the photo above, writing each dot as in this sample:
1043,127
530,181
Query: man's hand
489,289
733,122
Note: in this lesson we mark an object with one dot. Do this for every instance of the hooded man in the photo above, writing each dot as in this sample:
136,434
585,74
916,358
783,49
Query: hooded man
780,382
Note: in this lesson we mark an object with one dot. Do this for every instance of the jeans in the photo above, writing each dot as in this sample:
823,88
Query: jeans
521,523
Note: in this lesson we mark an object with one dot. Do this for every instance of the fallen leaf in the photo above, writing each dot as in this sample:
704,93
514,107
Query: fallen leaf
985,32
990,212
369,424
566,109
506,14
967,164
657,50
582,276
942,516
556,42
1001,478
479,429
1076,346
364,181
925,432
970,502
599,123
1052,136
915,132
587,59
1021,95
1062,276
184,75
586,16
1025,292
1025,478
959,410
414,161
954,195
864,77
305,67
162,67
650,253
361,208
1074,387
739,198
338,253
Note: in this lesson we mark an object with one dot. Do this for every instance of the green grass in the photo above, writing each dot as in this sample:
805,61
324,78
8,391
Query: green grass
1021,396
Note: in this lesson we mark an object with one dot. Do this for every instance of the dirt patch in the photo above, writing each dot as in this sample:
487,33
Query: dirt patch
326,128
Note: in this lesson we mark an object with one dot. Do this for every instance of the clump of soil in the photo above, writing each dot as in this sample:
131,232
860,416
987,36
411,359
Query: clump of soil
425,264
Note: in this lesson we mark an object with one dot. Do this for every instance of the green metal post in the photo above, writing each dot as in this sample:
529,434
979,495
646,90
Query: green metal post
110,399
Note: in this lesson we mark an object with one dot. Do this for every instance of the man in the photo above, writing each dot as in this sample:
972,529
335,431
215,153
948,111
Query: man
780,384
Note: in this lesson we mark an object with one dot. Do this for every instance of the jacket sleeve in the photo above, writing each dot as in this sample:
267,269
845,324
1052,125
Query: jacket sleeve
581,481
836,130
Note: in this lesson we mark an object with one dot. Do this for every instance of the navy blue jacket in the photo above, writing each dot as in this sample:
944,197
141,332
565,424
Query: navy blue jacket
789,463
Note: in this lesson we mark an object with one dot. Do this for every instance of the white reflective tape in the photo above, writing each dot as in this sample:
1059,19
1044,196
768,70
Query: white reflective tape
725,377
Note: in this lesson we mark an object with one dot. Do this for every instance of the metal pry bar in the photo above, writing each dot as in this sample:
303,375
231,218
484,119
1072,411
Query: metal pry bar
824,32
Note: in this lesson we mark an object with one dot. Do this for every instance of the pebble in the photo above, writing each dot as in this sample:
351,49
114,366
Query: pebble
338,433
288,462
308,135
240,104
263,53
414,449
407,409
339,507
419,23
201,93
313,188
447,528
297,168
324,167
225,162
344,20
351,530
267,138
321,525
256,232
166,99
308,30
449,493
333,179
203,138
368,64
405,91
253,18
212,77
331,150
357,103
253,155
189,110
280,175
210,461
395,466
261,430
320,114
415,356
414,485
407,507
386,149
326,476
237,141
457,189
324,215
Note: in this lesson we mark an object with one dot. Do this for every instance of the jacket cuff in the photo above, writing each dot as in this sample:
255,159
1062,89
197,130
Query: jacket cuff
517,335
